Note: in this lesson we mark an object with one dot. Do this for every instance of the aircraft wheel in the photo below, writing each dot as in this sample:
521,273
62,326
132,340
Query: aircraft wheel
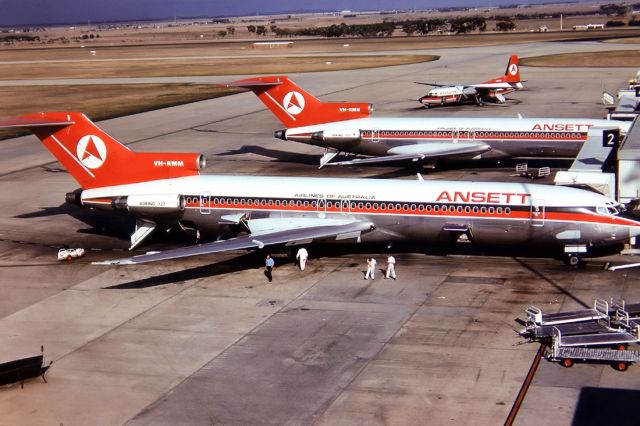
621,366
574,261
567,362
68,258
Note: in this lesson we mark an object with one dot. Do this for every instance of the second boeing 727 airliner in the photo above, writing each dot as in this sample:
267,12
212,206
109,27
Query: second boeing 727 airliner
346,127
164,190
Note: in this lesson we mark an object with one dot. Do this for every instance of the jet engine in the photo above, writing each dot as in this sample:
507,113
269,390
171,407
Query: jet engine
150,205
337,137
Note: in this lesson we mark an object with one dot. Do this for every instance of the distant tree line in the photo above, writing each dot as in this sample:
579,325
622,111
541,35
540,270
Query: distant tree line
386,29
18,37
382,29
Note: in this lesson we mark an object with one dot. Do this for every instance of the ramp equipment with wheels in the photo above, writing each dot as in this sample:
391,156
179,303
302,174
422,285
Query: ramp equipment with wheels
601,334
567,352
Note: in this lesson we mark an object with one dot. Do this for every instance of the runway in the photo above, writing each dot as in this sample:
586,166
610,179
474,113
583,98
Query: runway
208,340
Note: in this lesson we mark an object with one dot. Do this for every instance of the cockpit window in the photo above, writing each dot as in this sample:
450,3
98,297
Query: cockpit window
614,208
610,209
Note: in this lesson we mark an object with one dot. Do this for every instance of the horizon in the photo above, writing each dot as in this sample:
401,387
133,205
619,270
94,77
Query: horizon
18,13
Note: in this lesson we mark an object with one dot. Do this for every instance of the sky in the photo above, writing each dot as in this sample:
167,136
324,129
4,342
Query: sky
21,12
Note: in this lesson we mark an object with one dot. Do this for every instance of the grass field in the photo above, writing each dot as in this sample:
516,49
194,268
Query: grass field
626,58
162,66
100,102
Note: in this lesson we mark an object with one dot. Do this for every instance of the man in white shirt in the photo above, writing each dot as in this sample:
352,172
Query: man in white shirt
371,268
302,257
391,267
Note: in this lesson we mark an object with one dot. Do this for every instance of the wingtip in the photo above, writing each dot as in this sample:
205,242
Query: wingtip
113,262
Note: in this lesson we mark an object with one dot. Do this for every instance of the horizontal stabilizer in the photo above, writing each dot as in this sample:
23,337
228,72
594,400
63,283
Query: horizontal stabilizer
285,236
251,82
34,122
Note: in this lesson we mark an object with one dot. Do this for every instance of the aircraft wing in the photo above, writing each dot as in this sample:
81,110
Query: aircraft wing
421,152
312,229
435,84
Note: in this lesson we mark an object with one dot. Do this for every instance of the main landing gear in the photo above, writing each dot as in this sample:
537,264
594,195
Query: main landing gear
574,261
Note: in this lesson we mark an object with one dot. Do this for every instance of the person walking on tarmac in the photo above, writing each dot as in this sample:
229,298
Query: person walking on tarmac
269,263
371,268
302,257
391,267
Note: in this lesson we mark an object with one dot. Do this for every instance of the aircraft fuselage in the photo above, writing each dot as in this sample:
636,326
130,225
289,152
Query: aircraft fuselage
486,213
507,137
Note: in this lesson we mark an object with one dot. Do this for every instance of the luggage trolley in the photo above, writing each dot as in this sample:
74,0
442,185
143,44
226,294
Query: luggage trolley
568,349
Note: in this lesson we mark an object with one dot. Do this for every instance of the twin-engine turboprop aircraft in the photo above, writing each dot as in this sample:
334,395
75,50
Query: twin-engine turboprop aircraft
166,190
489,91
343,127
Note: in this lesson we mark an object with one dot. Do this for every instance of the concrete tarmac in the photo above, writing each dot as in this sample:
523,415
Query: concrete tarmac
209,340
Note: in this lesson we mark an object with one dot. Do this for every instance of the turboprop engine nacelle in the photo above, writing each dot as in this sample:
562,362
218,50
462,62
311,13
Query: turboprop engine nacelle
469,91
150,204
334,137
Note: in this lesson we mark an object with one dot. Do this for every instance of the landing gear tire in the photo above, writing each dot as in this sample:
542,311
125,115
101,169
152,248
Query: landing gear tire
566,362
574,261
621,366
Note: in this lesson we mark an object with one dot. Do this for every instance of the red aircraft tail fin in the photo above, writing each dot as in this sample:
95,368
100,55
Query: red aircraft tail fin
511,74
94,158
296,108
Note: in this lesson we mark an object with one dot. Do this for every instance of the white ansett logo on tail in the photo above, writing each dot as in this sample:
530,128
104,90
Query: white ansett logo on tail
91,151
293,102
513,69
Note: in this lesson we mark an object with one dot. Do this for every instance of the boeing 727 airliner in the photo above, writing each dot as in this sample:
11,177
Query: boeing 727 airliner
348,128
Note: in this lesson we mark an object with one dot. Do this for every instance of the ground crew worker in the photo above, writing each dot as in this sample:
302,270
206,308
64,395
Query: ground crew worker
391,267
269,263
371,268
302,257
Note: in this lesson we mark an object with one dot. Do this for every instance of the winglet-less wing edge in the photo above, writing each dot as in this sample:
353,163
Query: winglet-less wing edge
450,149
288,236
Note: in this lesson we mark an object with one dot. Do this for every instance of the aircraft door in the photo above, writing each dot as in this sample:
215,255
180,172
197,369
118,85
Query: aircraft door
455,135
205,203
375,135
345,206
321,206
537,212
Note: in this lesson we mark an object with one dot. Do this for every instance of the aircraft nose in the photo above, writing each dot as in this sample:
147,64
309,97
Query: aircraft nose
634,229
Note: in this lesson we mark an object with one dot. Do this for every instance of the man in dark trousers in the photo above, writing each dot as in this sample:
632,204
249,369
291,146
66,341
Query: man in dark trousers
269,268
